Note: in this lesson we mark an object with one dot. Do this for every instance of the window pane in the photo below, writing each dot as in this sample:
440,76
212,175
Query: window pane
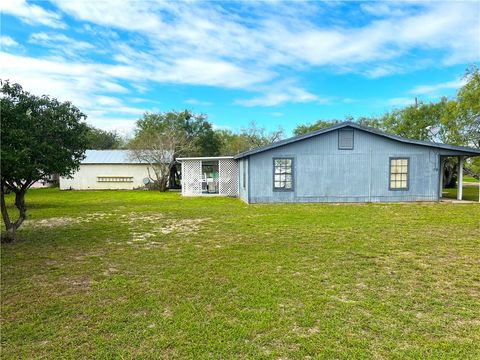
403,184
282,172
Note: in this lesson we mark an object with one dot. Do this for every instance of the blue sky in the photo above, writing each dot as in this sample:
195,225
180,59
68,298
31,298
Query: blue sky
276,63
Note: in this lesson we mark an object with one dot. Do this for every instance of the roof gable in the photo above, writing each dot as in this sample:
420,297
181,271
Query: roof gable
348,124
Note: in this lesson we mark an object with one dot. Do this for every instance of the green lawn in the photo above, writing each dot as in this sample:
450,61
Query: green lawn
147,275
469,193
469,179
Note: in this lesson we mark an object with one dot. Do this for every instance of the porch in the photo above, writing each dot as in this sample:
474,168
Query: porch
209,176
471,188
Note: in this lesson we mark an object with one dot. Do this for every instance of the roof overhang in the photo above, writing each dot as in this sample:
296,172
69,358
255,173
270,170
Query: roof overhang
206,158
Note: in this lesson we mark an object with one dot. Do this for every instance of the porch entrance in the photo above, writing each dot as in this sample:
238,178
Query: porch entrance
210,177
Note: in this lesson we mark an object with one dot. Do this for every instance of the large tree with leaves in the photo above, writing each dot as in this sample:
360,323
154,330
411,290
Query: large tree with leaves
99,139
195,127
248,138
40,137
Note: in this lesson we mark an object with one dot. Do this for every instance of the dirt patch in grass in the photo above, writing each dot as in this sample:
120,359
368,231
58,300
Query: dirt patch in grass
55,222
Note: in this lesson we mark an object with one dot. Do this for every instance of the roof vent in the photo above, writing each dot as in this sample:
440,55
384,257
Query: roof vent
345,139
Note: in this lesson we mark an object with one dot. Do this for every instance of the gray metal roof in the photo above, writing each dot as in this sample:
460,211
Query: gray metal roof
463,150
109,157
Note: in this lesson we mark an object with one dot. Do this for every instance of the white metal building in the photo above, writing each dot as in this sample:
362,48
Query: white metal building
209,176
107,169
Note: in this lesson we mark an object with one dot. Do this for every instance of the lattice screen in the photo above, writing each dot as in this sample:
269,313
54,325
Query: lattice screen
192,177
228,171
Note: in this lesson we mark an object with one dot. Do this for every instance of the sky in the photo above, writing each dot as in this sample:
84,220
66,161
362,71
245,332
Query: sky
276,63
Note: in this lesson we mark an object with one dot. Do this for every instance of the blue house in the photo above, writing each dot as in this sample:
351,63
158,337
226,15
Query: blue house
343,163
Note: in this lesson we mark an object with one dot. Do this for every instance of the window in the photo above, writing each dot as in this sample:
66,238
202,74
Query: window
115,178
345,139
399,173
283,174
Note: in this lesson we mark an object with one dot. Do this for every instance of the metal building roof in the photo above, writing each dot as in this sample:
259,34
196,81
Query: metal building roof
462,149
110,157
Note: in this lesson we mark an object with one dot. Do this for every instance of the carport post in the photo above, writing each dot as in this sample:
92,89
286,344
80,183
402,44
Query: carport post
460,178
442,164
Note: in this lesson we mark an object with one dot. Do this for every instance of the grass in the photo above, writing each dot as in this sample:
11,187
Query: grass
147,275
469,179
469,193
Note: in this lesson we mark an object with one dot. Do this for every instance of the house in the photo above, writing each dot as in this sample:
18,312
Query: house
107,169
343,163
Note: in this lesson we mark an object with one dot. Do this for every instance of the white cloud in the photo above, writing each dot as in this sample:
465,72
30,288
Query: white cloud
61,44
401,101
209,44
435,88
31,13
287,34
7,41
88,86
381,71
275,97
198,102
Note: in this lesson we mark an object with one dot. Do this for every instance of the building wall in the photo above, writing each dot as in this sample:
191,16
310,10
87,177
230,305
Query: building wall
243,179
86,177
191,177
323,173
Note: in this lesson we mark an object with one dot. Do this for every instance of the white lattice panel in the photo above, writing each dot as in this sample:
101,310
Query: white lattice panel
191,177
228,173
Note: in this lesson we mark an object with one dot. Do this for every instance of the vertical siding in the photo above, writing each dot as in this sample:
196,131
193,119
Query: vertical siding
323,173
243,189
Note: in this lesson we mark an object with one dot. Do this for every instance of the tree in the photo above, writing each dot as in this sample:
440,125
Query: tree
469,112
317,125
40,137
98,139
160,149
249,137
259,136
195,127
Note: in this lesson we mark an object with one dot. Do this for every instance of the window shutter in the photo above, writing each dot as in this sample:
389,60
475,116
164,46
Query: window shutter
345,139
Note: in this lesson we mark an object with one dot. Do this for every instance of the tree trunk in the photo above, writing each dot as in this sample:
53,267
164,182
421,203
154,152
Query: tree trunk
450,174
162,183
10,226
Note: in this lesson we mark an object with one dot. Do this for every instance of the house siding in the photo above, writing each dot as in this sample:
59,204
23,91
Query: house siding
325,173
243,188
